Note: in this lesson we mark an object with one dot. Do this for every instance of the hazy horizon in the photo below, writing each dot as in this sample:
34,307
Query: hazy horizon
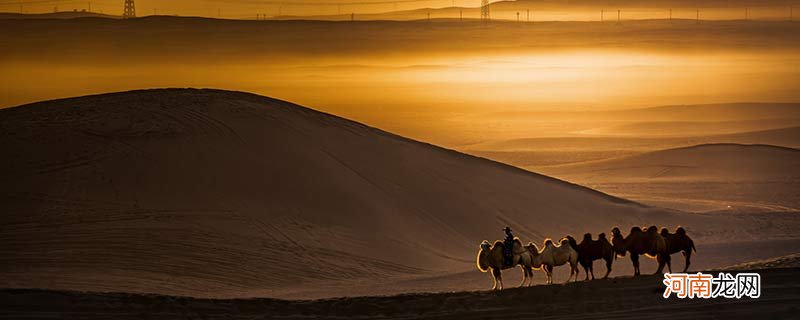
384,9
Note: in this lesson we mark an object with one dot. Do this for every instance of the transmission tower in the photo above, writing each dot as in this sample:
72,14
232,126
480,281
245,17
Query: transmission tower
130,10
485,11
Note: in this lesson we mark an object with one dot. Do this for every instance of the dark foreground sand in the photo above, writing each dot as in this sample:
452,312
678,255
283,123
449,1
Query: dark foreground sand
620,298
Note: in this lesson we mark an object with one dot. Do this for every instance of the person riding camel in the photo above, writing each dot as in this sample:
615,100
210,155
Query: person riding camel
508,247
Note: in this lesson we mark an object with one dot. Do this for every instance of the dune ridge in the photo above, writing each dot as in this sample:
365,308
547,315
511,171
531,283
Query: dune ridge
213,193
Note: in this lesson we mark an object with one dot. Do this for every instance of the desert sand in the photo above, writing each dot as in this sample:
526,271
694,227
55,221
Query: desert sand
210,193
628,298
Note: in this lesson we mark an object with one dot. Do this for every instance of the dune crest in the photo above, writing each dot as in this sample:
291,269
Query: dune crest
214,193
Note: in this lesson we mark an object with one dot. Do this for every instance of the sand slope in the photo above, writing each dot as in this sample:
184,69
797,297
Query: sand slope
214,193
698,178
710,162
631,298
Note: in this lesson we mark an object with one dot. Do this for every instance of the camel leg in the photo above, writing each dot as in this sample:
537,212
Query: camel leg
573,269
500,279
586,270
524,277
662,261
549,274
688,254
530,277
546,274
608,268
571,272
669,265
635,260
591,268
496,276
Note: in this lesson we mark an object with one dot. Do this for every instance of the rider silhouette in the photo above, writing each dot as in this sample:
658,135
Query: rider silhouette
508,247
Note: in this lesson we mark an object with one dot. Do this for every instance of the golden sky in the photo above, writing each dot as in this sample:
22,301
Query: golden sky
232,8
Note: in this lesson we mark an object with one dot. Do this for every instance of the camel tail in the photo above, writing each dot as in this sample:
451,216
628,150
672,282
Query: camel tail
693,248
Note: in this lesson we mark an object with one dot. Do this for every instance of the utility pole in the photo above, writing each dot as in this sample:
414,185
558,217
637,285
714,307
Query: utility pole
130,10
697,21
529,15
746,14
517,16
670,15
485,17
429,16
601,15
619,16
352,17
90,6
461,15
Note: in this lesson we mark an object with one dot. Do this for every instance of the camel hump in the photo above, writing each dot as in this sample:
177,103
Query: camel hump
636,229
587,236
680,231
664,231
498,244
652,229
601,236
548,242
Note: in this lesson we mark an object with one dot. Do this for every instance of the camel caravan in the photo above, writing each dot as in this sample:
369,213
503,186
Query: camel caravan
649,242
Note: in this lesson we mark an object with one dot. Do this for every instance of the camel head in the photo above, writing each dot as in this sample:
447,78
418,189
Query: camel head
680,230
618,242
532,248
483,256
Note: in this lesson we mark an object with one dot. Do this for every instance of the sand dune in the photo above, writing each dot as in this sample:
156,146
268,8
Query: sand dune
630,298
703,177
784,137
55,15
214,193
710,162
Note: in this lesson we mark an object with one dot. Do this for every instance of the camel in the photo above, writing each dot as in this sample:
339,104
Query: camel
553,255
590,250
677,242
649,243
490,257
